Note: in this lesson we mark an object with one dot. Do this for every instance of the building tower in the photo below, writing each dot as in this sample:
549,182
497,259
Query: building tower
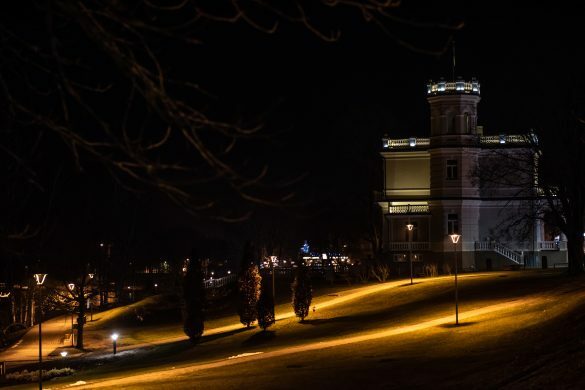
454,151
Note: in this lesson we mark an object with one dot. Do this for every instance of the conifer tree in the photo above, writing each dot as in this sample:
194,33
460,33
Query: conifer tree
249,288
266,305
302,292
194,295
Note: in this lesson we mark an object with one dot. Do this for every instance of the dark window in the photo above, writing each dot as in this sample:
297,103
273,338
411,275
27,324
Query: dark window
451,169
452,224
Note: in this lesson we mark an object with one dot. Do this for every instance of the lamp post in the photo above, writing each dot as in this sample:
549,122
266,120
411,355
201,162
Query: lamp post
114,338
40,279
272,261
410,226
455,239
71,287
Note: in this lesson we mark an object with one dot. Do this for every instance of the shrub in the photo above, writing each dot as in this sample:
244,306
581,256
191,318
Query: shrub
302,293
33,376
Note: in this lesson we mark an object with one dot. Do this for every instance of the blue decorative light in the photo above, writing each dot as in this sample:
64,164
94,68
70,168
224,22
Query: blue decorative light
305,247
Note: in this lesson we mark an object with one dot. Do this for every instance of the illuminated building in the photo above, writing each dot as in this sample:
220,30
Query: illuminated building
433,183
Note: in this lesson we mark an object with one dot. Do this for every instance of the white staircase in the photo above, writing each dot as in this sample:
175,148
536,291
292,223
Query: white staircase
501,249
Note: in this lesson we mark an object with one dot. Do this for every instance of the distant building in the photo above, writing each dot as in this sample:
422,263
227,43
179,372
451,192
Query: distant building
433,185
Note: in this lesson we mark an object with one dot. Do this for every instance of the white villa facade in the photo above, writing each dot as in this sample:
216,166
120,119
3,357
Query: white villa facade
433,185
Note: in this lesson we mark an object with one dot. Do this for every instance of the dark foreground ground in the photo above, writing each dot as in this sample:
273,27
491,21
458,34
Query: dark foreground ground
518,330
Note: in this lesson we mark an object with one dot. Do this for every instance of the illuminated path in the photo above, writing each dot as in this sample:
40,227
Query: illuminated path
27,348
320,302
149,378
360,293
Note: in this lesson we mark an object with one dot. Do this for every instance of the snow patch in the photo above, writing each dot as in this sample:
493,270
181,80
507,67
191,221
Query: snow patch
244,355
78,383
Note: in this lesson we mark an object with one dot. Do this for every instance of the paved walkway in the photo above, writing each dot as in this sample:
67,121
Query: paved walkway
27,348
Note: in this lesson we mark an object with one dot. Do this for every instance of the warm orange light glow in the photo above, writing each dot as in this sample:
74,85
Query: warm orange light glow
455,238
409,226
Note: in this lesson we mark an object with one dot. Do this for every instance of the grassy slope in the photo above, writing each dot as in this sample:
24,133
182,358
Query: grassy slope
532,344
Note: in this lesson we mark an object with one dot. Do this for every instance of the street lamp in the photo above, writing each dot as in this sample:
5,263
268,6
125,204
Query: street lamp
63,354
40,279
272,261
455,239
410,226
114,338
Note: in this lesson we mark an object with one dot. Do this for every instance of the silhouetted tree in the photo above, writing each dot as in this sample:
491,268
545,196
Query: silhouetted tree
194,295
302,292
249,289
73,297
266,305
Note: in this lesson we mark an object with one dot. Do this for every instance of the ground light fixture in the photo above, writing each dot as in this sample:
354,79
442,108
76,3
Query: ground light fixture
114,338
455,239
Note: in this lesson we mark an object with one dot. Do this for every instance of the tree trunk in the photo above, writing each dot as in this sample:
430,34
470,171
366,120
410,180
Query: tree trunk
575,252
80,323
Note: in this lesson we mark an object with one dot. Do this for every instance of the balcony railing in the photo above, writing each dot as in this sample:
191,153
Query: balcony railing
503,139
409,209
552,245
405,245
405,143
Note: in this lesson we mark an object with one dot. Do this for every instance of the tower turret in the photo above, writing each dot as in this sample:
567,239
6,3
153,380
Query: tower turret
453,107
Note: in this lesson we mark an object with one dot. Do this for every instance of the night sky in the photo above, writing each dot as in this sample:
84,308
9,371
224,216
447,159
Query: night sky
323,106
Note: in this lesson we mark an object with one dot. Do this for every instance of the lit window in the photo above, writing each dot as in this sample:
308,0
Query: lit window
452,224
451,169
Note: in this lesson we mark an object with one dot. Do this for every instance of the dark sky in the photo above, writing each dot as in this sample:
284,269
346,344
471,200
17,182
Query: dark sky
329,104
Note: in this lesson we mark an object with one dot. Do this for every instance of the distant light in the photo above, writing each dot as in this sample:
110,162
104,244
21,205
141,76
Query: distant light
114,336
101,244
92,275
502,138
63,354
156,285
71,286
229,272
324,256
412,142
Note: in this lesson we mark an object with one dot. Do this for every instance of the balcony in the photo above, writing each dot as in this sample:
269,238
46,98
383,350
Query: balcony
405,245
409,209
504,139
552,245
405,143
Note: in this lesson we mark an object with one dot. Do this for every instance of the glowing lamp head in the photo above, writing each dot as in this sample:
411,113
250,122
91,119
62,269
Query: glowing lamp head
40,278
455,238
71,286
63,354
91,276
114,336
409,226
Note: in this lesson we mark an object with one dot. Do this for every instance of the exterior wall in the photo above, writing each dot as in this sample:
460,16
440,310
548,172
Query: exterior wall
407,174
